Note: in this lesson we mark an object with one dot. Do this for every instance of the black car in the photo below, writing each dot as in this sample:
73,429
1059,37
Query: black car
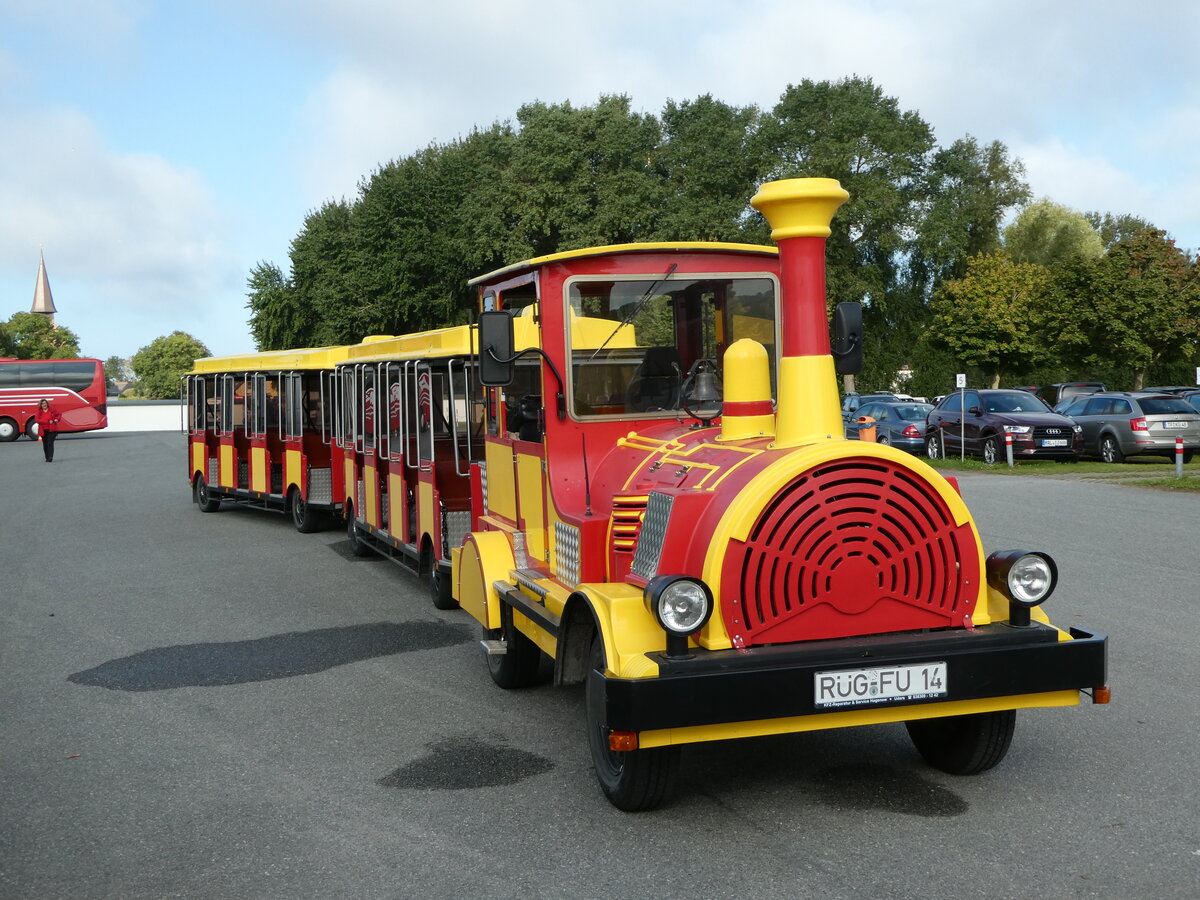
979,419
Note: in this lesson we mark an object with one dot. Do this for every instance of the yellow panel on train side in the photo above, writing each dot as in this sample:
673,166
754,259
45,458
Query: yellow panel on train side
397,521
501,486
292,470
258,470
350,479
533,510
425,508
228,473
371,496
199,462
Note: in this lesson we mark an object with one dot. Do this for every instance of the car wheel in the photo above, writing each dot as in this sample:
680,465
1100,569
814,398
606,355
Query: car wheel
1110,450
933,445
632,780
991,451
883,439
964,745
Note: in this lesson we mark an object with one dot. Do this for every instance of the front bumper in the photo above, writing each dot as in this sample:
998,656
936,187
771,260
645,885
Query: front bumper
726,686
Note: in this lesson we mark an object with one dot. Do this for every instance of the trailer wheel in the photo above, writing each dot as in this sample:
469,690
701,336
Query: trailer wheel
203,497
518,666
964,745
8,430
439,589
358,545
304,517
632,780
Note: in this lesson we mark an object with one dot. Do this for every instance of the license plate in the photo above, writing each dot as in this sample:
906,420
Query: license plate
1175,424
1054,442
881,684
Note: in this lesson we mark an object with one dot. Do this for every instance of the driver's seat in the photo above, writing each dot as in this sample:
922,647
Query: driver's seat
656,381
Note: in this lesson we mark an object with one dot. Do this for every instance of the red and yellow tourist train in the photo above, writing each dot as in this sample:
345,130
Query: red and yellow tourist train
633,465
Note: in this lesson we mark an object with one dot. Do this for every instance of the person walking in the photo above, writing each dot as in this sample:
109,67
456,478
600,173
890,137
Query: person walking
47,424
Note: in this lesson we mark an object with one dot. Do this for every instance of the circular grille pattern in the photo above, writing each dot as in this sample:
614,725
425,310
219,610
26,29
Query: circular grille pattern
856,546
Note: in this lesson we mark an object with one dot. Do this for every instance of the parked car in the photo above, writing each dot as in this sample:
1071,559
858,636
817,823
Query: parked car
979,420
852,401
1169,389
1192,396
899,423
1118,424
1055,394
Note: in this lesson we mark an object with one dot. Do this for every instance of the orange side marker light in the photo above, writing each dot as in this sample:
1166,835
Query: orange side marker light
1102,694
622,741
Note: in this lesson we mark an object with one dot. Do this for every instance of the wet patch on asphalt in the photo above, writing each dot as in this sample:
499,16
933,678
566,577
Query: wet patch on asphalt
265,659
883,789
342,549
463,763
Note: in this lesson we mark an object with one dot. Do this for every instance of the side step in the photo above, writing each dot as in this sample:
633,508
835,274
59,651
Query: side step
494,648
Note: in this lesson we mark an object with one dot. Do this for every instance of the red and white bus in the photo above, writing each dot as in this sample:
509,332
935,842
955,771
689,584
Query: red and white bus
75,387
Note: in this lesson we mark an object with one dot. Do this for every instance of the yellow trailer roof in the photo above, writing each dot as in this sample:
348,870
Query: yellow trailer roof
272,361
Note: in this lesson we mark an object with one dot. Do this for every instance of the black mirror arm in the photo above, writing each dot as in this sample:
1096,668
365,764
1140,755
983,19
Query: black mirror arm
561,396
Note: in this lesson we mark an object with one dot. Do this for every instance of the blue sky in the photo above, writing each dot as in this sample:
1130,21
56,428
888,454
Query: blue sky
155,151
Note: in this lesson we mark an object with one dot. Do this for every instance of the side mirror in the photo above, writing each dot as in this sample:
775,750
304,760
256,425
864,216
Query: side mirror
495,348
847,338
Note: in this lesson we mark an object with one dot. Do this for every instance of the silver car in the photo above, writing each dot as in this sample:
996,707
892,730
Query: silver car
1118,424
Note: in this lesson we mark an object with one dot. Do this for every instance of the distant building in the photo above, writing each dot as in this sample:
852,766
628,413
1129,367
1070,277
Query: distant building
43,300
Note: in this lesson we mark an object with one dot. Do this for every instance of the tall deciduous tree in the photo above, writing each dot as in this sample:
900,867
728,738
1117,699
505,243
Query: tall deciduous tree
1136,307
34,336
1048,233
160,364
991,317
279,316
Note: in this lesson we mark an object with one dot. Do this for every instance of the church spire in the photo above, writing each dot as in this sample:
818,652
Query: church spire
43,300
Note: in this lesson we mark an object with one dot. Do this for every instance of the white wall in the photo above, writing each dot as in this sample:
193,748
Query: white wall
143,415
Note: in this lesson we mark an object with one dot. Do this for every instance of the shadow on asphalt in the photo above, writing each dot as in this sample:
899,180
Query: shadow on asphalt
265,659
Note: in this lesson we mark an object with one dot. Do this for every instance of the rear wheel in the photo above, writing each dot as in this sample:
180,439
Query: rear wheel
204,497
304,517
358,544
8,430
632,780
883,439
964,745
518,666
1110,450
32,430
1187,456
933,444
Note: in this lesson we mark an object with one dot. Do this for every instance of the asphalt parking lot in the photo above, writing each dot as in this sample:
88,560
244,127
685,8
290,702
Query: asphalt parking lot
216,706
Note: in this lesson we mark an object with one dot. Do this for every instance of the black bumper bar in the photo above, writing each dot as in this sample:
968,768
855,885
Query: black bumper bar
714,687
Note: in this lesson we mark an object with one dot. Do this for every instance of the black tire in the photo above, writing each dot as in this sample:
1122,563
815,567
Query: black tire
518,666
884,439
304,517
8,430
1110,450
440,589
933,444
358,544
1187,456
632,780
964,745
203,497
31,429
991,451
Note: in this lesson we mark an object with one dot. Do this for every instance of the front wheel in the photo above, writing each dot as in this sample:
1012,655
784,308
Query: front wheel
8,430
358,544
204,497
991,451
964,745
518,665
933,445
1110,450
304,517
632,780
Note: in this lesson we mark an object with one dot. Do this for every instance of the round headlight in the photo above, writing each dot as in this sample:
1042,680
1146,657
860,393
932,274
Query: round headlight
681,605
1030,579
1026,577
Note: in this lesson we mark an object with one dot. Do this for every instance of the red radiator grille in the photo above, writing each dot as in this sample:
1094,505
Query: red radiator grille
860,546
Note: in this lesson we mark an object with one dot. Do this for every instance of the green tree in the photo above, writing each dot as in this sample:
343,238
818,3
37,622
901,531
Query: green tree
991,317
1115,228
116,369
34,336
279,316
161,363
1047,233
1135,308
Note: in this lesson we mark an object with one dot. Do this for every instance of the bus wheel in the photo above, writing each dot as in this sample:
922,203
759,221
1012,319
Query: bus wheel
304,517
358,545
439,589
632,780
205,500
964,745
8,430
31,429
518,666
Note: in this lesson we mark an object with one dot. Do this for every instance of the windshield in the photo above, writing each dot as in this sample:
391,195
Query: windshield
633,341
1164,406
1014,401
914,413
